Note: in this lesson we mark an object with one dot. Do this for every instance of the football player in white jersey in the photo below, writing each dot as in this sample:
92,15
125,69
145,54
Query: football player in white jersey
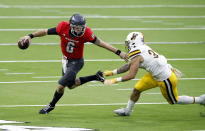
159,74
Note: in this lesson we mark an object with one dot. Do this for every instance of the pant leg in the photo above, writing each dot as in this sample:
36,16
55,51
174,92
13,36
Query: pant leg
169,89
147,82
73,66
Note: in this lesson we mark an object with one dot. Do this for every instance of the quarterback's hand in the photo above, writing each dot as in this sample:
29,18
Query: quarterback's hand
25,38
108,73
124,56
110,81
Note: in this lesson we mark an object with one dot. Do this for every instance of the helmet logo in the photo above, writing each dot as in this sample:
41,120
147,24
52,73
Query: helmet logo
134,36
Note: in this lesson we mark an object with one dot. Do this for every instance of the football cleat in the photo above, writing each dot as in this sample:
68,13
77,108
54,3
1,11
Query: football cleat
202,97
46,110
100,76
122,112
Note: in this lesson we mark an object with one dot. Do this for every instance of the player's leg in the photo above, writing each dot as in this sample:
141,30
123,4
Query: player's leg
82,80
57,95
70,70
169,91
97,77
73,68
147,82
191,100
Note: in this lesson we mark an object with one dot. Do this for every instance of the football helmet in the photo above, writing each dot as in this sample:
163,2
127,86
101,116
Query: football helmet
133,40
77,21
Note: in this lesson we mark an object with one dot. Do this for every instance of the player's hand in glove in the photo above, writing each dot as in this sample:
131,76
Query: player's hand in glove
108,73
110,81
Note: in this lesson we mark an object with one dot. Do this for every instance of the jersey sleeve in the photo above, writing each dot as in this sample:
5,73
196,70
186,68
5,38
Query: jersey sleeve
134,52
90,35
60,27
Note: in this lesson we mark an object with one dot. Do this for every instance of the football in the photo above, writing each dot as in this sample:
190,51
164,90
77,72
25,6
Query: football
24,45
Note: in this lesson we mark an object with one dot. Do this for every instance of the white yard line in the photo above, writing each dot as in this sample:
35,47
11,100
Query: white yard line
36,128
8,122
21,82
3,69
109,104
19,73
30,61
118,29
115,43
15,44
95,60
102,17
100,6
41,77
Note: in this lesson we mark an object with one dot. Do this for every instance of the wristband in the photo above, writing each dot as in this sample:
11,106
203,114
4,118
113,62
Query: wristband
114,71
118,52
31,35
119,79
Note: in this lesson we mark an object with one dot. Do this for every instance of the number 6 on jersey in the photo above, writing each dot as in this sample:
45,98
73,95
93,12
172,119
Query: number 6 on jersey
70,46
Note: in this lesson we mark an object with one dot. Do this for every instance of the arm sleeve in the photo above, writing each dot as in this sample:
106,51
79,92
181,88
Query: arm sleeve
52,31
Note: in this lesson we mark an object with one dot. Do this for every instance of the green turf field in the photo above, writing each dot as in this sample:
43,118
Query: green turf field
181,23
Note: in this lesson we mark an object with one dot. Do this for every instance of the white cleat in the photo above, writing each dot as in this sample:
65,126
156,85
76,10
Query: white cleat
202,97
122,112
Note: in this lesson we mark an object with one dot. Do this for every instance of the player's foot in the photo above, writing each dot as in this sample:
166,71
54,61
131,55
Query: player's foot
202,97
122,112
46,110
100,76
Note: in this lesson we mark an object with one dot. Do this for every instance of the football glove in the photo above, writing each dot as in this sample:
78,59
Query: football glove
110,81
108,73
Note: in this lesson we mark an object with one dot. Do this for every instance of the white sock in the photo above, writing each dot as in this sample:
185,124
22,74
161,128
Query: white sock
188,100
130,105
198,100
185,100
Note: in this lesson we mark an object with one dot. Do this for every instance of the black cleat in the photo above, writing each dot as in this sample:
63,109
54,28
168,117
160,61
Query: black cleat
100,76
46,110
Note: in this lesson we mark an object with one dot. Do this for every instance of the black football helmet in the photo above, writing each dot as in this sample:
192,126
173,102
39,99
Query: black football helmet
77,20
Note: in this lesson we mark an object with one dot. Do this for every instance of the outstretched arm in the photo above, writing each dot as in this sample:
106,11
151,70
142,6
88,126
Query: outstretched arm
35,34
134,66
111,48
120,70
40,33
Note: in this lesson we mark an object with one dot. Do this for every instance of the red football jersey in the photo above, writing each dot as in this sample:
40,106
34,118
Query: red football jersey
73,47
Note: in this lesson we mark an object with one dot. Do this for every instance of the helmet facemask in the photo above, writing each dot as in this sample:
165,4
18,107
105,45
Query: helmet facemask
127,47
73,27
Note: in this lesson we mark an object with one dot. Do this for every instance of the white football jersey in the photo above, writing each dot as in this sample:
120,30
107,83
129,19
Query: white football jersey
153,62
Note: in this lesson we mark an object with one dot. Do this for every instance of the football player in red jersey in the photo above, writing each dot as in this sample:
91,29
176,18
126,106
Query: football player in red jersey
73,35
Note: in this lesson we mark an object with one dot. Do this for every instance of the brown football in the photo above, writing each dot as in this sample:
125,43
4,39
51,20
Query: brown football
24,45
